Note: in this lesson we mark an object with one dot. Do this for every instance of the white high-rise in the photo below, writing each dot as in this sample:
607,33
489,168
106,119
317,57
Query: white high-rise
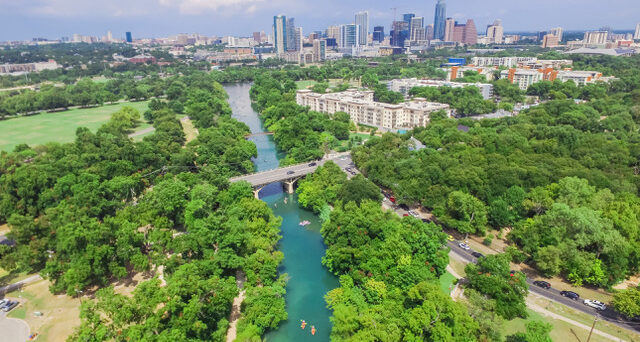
349,35
495,32
362,20
637,34
416,29
280,34
299,39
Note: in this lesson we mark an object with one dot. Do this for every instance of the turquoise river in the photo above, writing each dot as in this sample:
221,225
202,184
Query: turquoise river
303,248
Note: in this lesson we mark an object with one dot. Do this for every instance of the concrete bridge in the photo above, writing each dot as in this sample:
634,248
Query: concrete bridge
289,175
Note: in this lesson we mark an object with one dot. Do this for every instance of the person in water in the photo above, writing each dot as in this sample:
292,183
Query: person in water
313,330
303,325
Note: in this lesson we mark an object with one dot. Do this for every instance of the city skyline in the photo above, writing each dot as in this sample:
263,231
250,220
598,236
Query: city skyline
155,18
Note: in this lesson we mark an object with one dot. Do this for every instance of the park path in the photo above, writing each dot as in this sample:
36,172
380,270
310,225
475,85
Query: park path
13,329
539,309
236,311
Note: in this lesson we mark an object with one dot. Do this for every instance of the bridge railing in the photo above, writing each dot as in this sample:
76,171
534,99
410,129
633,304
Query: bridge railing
329,157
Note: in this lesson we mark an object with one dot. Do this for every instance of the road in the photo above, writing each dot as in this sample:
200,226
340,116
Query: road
608,315
294,171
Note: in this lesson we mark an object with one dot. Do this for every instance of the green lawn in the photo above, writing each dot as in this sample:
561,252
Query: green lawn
305,84
58,127
446,283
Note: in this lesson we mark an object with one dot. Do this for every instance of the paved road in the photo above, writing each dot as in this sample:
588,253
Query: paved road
13,330
608,315
288,172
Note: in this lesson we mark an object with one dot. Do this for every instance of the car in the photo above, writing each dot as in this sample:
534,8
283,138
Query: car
290,172
405,214
10,306
570,294
598,305
413,213
449,237
2,302
477,255
348,169
313,164
543,284
464,246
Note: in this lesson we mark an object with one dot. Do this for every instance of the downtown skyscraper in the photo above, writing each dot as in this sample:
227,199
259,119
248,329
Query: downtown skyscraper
439,20
280,34
362,20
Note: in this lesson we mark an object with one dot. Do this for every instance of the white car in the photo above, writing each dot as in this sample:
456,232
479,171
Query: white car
413,213
595,304
464,246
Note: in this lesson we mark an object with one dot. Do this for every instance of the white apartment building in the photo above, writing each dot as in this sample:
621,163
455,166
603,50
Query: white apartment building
522,77
456,72
29,67
508,62
405,85
595,37
546,63
364,110
579,77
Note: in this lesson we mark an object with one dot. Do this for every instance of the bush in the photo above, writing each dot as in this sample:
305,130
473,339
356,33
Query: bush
487,241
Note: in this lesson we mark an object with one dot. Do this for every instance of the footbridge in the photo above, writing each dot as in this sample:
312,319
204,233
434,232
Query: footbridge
289,175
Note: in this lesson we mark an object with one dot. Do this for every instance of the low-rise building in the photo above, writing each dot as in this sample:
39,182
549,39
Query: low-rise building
405,85
362,108
28,67
508,62
522,77
455,72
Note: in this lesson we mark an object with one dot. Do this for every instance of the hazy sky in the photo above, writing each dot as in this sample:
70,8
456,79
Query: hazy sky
25,19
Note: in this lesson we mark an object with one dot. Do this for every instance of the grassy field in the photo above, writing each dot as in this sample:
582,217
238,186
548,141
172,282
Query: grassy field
60,313
58,127
446,283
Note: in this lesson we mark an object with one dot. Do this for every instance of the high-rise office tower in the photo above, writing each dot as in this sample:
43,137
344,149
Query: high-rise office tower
407,17
291,35
349,35
129,37
557,31
416,28
109,36
439,20
280,33
362,20
595,37
399,33
495,32
637,34
378,34
256,37
333,32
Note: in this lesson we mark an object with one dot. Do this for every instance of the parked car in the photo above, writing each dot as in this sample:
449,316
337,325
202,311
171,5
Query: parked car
290,172
543,284
450,238
464,246
405,214
570,294
413,213
477,255
11,305
598,305
348,169
2,302
313,164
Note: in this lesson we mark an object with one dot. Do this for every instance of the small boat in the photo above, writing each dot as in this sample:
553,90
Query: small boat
303,325
305,223
313,330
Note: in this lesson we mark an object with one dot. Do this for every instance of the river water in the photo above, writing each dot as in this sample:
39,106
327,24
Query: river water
303,247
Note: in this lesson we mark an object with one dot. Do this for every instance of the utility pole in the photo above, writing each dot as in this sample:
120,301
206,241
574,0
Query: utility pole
595,319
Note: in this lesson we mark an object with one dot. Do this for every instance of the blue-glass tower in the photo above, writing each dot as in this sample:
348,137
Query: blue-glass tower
439,20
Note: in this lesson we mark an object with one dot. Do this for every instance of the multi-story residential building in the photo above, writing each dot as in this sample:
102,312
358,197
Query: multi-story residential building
333,32
403,86
545,64
495,32
299,39
362,20
550,41
500,61
461,33
439,20
455,72
280,34
595,37
428,32
364,110
557,31
319,50
29,67
349,35
522,77
579,77
637,33
449,30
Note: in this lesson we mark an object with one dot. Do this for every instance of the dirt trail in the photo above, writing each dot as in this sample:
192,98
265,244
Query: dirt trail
236,308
